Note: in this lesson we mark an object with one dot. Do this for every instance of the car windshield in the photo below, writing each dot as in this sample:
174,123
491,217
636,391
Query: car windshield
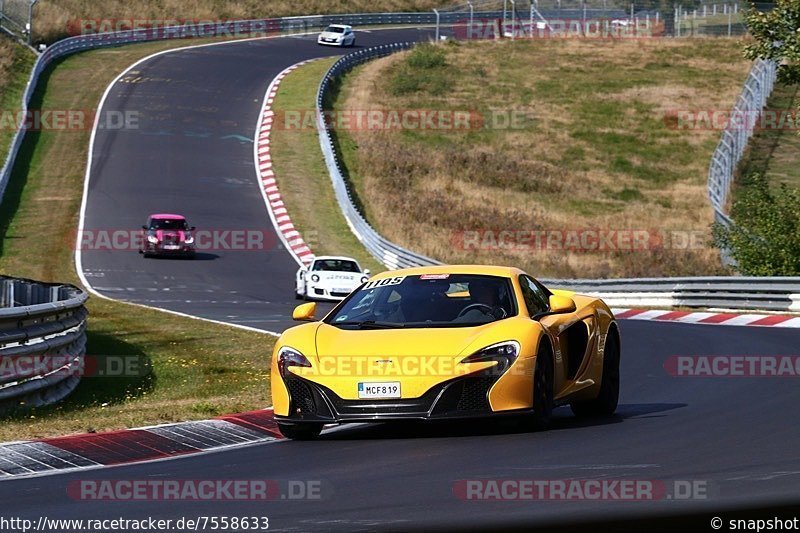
433,300
335,265
168,224
335,29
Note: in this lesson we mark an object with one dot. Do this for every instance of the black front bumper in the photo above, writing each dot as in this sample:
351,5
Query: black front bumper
463,397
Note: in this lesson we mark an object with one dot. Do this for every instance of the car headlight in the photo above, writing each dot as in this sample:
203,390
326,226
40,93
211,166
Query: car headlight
188,238
364,279
287,357
505,353
314,278
152,239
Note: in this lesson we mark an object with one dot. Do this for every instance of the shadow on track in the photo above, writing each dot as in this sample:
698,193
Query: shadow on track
562,419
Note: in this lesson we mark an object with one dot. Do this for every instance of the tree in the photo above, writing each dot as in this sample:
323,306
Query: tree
765,241
777,37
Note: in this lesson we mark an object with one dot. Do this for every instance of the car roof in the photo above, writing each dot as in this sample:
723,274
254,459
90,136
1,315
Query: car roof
167,215
486,270
339,26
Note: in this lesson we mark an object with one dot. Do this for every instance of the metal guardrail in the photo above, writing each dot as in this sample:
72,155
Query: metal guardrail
385,251
731,147
42,341
742,293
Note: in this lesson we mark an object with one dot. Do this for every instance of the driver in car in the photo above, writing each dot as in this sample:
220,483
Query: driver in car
485,304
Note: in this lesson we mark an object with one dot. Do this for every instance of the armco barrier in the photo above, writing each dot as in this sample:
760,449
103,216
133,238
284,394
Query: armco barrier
42,341
742,293
386,252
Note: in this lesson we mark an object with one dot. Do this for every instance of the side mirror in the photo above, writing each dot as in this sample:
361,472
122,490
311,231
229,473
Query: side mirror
305,312
366,272
561,304
193,228
144,228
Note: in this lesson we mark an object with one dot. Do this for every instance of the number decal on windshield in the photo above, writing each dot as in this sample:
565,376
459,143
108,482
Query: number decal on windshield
397,280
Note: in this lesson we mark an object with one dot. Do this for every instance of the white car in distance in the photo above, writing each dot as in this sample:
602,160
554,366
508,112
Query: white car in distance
337,35
329,278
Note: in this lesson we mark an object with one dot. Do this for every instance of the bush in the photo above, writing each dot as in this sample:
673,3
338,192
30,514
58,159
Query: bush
413,74
765,241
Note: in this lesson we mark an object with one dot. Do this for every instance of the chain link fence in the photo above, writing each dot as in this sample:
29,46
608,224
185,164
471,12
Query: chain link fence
744,119
603,18
16,17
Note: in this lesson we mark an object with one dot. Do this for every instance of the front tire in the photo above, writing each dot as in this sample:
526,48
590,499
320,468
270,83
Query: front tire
302,431
607,399
543,401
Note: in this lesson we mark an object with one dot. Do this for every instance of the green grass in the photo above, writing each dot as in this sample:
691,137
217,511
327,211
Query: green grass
301,173
200,369
16,63
775,151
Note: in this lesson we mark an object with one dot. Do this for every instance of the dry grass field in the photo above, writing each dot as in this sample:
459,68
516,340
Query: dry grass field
596,147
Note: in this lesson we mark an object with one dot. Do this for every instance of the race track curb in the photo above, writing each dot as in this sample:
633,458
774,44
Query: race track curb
263,160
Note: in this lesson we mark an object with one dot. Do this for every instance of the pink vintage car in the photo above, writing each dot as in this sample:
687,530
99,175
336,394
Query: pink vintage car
167,235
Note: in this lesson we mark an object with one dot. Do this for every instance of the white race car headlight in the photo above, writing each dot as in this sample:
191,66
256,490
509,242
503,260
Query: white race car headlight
152,239
188,238
315,278
505,353
364,279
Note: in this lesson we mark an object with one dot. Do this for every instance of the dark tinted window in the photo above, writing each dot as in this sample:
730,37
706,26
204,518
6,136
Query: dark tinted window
168,224
433,300
335,265
536,299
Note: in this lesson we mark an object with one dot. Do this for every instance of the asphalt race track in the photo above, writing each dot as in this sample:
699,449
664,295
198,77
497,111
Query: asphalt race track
191,152
738,436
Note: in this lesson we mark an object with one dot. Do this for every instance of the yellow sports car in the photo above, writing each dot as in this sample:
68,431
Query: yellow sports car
446,342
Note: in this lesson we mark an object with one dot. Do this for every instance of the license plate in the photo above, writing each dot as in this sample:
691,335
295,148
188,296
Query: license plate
171,247
340,290
390,389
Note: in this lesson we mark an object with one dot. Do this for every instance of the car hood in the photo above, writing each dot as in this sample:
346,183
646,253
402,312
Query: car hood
402,342
163,234
330,35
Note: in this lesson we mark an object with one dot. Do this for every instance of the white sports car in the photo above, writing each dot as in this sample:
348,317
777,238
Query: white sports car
337,35
329,278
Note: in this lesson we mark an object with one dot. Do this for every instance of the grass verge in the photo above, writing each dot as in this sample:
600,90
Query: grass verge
595,147
300,169
16,63
199,369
